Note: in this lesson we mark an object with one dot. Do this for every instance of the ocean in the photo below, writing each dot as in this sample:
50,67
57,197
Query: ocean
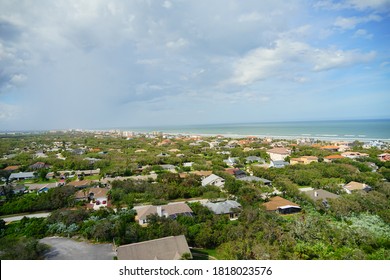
363,130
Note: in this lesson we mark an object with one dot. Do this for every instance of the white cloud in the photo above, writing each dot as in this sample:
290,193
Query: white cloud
362,33
179,43
330,59
167,4
380,6
352,22
254,16
8,112
286,55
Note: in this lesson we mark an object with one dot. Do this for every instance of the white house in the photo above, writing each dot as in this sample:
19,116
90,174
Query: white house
278,153
213,180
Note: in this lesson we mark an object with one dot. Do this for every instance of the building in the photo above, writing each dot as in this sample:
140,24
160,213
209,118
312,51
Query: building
322,195
356,186
354,155
97,197
167,248
256,179
169,211
330,148
22,176
213,180
303,160
281,205
252,159
278,154
384,157
332,158
278,163
230,208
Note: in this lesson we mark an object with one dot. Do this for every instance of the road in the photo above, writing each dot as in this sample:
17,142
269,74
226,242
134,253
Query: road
17,218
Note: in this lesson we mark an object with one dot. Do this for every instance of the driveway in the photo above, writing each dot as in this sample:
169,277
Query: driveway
69,249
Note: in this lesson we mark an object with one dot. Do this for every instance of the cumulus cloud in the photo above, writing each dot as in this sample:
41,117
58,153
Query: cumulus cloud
117,57
352,22
381,6
262,63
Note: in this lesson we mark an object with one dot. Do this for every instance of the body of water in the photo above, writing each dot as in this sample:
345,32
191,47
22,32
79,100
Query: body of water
351,129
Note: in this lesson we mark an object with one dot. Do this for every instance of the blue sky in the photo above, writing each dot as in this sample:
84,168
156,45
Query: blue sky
95,64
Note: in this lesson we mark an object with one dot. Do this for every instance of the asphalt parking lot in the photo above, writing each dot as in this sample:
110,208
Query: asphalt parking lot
69,249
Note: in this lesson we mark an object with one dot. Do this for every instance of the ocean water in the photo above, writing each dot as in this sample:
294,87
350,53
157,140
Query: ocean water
349,130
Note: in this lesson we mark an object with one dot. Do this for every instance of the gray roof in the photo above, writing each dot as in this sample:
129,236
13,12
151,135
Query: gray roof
208,180
170,210
280,163
168,166
22,175
167,248
254,178
254,158
224,207
320,194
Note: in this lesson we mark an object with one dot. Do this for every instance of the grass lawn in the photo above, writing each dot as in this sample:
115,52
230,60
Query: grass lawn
204,254
38,181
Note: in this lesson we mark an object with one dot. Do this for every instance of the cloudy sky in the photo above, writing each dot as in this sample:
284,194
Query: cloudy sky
101,64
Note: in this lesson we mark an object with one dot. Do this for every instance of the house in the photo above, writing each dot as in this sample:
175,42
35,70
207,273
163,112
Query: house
169,211
278,154
19,189
384,157
40,154
213,180
238,173
332,158
355,186
230,161
354,155
39,165
22,176
202,173
97,197
278,163
330,148
252,159
303,160
322,195
188,164
230,208
281,205
163,155
256,179
169,167
12,168
167,248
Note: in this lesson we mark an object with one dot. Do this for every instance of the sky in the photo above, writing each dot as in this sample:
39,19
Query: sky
104,64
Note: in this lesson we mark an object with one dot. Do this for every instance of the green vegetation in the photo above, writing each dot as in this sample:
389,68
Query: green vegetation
353,226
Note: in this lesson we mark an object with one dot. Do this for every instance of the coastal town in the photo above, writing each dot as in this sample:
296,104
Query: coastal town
175,196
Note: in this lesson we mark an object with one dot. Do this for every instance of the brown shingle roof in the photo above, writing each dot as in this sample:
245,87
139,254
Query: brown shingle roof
280,151
275,202
167,248
170,209
354,186
12,168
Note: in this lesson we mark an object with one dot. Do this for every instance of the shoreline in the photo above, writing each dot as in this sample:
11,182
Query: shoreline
324,137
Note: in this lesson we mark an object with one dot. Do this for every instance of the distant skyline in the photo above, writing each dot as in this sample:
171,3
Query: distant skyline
95,64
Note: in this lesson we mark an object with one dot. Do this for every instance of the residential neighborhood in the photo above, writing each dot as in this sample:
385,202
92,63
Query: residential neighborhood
164,196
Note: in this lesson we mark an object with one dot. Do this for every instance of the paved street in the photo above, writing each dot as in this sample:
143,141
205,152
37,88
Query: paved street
17,218
68,249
